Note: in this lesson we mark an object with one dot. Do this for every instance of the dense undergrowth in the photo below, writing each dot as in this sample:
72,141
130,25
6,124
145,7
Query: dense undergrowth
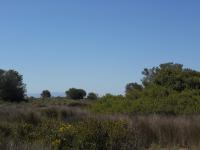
167,89
184,103
51,126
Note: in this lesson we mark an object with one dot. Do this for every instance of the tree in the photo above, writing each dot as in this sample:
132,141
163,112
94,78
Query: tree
76,94
12,87
132,86
173,76
133,90
149,75
46,94
92,96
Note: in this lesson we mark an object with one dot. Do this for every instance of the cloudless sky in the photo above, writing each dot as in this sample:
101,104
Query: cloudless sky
98,45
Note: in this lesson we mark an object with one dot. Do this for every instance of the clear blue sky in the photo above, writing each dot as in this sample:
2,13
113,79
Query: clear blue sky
98,45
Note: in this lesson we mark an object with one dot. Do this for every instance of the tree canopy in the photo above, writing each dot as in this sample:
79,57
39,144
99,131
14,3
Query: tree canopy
12,87
46,94
167,89
92,96
173,76
76,94
133,90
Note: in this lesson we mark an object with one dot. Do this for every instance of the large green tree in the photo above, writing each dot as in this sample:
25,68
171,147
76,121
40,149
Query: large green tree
173,76
12,87
76,94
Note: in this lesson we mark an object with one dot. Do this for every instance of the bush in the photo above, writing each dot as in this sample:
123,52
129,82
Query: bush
46,94
111,104
76,94
92,96
154,101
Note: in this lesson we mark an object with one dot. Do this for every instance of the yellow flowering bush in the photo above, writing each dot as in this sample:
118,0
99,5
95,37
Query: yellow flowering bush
63,136
56,142
64,127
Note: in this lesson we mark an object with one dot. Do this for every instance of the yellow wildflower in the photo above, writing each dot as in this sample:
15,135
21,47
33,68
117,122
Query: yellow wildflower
56,142
64,127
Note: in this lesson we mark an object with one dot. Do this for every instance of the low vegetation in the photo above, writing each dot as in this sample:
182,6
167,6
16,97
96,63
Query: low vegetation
64,127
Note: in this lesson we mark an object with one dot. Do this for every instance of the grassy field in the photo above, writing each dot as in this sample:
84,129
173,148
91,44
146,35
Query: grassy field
61,124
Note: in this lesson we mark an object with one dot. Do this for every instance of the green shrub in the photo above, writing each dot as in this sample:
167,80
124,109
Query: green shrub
92,96
186,102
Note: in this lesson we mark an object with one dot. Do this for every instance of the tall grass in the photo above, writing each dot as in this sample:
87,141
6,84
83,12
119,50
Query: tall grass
26,126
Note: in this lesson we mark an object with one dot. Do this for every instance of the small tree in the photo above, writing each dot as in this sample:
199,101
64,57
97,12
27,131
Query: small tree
46,94
76,94
92,96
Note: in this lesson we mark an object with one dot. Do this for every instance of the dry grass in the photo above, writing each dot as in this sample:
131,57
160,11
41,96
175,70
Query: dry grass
152,132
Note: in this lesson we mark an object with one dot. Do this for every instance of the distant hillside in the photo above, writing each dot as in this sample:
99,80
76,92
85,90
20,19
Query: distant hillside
55,94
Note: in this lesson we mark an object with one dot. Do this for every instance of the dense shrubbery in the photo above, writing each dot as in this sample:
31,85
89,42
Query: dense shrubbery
29,126
172,76
167,89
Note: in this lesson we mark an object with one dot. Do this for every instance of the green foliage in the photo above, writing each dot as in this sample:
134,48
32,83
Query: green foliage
111,104
172,76
92,96
76,94
167,89
133,91
155,101
46,94
12,87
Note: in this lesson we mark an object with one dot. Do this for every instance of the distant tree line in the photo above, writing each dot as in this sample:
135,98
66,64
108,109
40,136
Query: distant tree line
13,89
168,84
73,93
